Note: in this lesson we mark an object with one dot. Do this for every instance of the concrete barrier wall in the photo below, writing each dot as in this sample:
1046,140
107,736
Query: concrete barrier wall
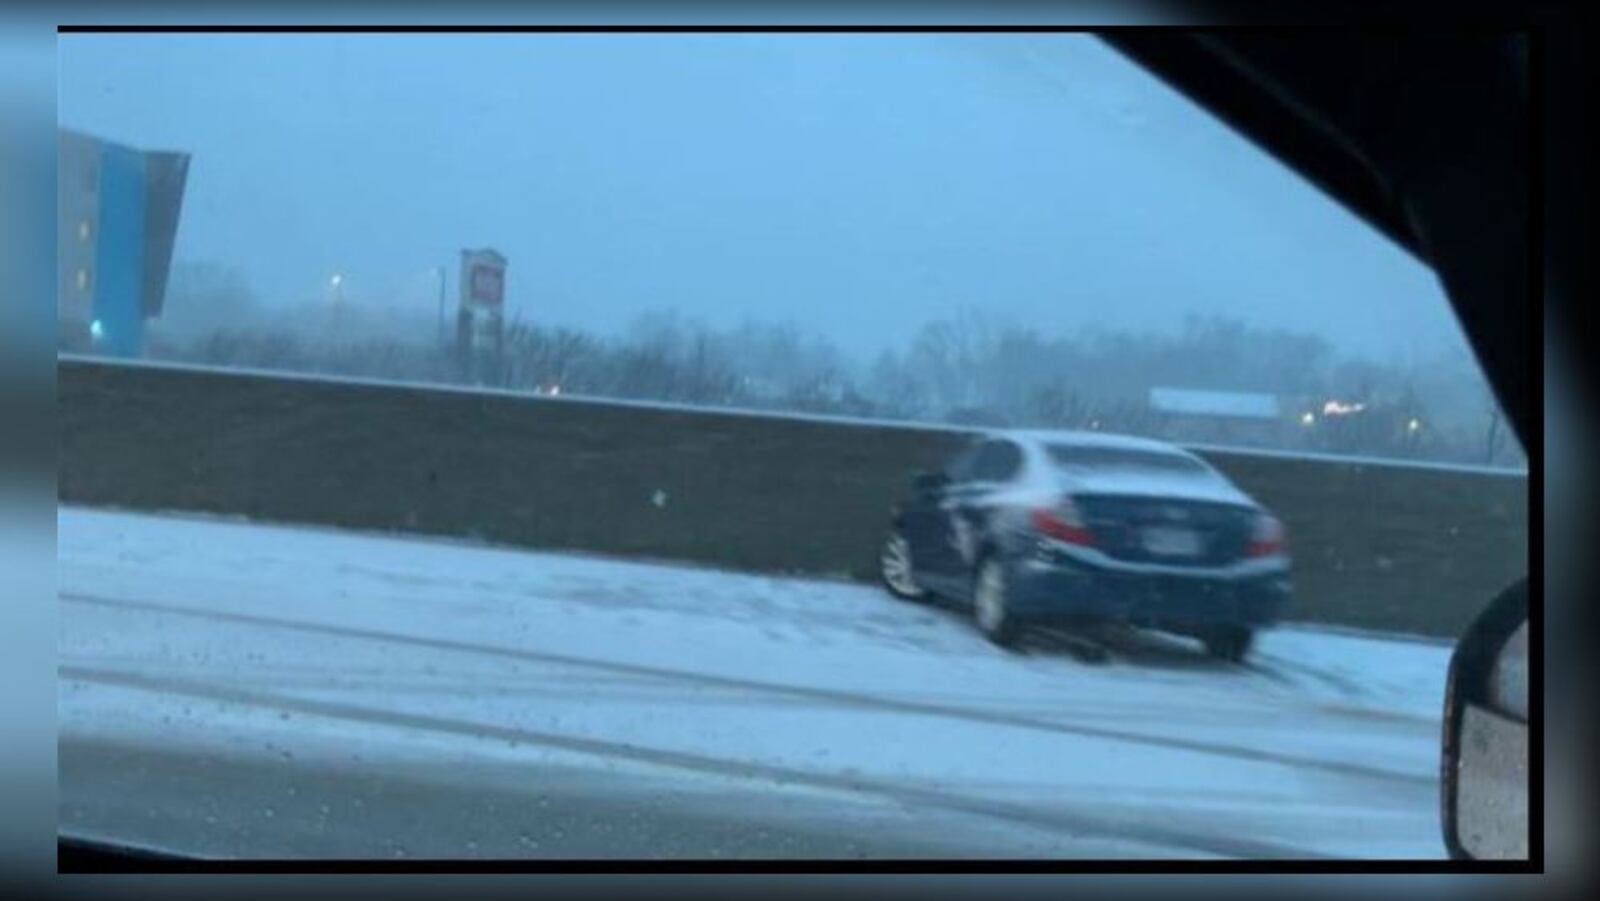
1376,546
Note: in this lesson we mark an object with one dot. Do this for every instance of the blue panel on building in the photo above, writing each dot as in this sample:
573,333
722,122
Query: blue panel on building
118,312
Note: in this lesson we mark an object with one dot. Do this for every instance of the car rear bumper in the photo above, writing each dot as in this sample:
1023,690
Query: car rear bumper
1051,586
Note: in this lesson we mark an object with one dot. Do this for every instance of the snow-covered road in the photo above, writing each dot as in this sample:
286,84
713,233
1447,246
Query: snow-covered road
226,686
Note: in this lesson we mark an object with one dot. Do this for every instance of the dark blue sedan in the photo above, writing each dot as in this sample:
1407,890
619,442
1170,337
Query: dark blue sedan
1085,527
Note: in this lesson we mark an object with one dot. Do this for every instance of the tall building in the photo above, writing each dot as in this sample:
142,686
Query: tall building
116,218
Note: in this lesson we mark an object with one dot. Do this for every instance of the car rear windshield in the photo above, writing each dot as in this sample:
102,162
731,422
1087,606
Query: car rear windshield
1081,457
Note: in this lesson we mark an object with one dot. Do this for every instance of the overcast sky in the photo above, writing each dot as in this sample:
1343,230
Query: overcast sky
856,184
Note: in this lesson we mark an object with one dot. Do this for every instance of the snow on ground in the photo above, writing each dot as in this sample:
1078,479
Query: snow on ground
190,628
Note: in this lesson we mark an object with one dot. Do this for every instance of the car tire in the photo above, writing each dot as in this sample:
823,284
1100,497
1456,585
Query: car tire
1230,643
895,568
990,609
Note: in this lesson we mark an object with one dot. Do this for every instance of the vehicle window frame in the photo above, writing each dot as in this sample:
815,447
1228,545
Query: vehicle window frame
966,466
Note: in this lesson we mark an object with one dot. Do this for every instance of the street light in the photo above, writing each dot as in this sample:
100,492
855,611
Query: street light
1337,408
335,282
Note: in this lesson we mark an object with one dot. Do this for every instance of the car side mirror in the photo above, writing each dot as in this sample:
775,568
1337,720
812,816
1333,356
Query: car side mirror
929,482
1484,766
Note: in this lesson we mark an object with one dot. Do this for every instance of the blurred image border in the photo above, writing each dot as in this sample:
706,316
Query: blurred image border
37,30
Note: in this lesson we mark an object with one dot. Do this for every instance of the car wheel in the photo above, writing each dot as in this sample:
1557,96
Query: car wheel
1230,643
989,604
894,565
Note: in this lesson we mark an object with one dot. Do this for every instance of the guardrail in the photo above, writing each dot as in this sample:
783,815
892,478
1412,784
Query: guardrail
1377,545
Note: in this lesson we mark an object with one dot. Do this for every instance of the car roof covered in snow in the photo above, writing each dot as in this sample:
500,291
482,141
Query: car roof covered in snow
1203,483
1081,438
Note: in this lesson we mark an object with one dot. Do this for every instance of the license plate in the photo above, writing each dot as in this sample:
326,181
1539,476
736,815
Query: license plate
1170,542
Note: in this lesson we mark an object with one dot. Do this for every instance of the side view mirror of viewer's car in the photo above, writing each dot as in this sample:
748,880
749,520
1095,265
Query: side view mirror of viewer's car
1484,777
924,482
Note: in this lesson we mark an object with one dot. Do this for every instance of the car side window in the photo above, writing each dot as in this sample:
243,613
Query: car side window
997,461
961,466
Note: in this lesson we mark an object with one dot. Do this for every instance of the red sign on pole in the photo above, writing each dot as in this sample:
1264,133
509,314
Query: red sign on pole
483,278
488,285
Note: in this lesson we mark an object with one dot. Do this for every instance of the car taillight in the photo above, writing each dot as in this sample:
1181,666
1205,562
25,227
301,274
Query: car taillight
1063,523
1267,539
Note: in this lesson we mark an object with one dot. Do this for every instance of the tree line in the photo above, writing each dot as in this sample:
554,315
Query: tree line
973,368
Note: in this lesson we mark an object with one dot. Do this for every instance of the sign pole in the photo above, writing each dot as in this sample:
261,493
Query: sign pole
441,306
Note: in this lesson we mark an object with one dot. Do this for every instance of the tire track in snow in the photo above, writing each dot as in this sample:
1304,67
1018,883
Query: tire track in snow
1050,820
830,696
